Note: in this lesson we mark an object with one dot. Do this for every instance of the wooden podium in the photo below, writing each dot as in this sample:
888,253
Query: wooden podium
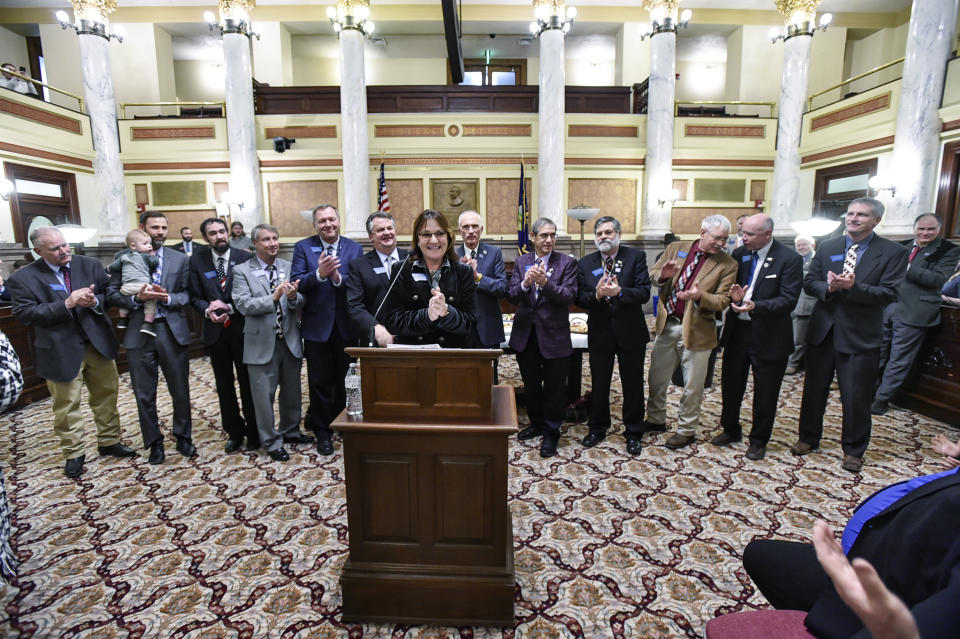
430,535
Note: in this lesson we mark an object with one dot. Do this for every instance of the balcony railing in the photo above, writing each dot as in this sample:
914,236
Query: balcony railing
215,110
853,79
38,83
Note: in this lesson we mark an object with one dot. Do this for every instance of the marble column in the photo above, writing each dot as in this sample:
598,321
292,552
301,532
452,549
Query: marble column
786,166
658,165
550,150
245,184
113,219
353,123
916,145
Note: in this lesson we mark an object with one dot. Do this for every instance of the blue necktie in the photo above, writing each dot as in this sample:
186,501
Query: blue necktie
753,267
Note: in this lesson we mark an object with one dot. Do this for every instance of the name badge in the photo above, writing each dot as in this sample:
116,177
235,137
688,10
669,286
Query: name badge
770,277
419,277
682,254
210,275
836,258
746,258
316,249
58,287
259,272
380,270
598,271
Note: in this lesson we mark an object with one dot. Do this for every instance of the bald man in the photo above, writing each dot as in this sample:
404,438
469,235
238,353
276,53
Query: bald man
758,332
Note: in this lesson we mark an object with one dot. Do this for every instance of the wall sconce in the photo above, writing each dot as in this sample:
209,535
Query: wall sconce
351,14
671,198
228,206
550,14
6,189
663,20
234,18
800,23
877,184
92,23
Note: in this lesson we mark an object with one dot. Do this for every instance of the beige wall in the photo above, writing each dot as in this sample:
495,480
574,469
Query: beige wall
272,59
13,48
61,51
874,50
199,80
701,80
633,55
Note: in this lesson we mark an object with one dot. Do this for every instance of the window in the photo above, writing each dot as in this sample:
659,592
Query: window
480,72
836,186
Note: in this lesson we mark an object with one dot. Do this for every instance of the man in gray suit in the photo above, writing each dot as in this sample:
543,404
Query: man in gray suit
166,351
272,347
805,246
905,322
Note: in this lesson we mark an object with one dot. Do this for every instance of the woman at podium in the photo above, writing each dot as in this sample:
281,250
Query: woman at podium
433,300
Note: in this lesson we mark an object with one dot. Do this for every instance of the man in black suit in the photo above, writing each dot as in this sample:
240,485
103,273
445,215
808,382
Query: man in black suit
613,285
905,323
62,297
490,275
186,245
168,350
370,275
853,278
909,531
758,332
211,287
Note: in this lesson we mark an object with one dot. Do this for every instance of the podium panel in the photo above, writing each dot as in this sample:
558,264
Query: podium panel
430,536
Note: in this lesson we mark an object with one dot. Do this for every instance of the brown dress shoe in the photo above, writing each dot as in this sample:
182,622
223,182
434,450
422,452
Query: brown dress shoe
851,463
802,448
678,441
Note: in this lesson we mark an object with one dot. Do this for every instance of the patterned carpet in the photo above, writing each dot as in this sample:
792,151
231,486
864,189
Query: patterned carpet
606,545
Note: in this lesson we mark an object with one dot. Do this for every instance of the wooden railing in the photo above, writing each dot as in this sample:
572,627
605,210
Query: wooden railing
439,99
218,112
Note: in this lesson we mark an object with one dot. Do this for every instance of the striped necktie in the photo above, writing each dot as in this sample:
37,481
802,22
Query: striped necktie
850,261
671,303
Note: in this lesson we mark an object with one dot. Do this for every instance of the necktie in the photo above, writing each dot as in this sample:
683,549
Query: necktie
913,253
272,277
473,254
850,261
538,263
753,267
222,273
685,275
608,266
330,250
65,273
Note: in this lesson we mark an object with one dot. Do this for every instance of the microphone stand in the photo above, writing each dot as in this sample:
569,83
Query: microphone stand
373,329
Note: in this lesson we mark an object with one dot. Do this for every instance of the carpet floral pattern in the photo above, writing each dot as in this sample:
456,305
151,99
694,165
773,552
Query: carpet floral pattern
606,545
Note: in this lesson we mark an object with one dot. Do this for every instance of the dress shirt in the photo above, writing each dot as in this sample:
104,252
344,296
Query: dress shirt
56,271
335,253
862,245
383,258
761,256
544,260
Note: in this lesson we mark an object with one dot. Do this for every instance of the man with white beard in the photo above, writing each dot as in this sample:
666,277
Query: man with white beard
614,284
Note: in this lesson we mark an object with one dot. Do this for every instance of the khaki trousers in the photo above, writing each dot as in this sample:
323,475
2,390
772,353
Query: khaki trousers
100,376
667,351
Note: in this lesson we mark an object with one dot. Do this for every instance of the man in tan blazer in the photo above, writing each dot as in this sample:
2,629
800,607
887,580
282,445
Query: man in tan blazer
694,280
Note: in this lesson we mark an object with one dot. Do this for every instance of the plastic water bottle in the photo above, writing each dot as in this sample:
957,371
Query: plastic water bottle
354,396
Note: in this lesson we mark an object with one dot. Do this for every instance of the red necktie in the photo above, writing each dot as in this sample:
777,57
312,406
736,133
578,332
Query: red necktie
913,253
65,272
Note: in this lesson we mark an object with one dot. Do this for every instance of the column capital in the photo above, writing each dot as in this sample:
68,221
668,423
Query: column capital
669,6
797,11
93,10
236,9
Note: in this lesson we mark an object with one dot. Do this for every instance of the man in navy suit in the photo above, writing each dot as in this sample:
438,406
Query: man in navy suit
490,275
211,287
542,285
321,262
62,297
758,332
369,279
166,351
614,284
909,531
853,278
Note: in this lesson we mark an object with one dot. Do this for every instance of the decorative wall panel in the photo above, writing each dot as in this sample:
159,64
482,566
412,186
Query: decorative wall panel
287,199
614,197
179,193
686,220
406,203
719,190
178,219
502,199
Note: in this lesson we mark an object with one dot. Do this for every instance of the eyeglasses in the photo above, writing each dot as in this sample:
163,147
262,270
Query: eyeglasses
426,235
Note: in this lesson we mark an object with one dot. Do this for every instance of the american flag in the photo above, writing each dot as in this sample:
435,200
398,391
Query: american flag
383,201
523,218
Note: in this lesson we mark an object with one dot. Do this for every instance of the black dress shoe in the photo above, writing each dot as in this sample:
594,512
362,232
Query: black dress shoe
253,445
548,447
648,427
634,445
724,439
74,467
278,455
116,450
593,438
299,438
756,452
233,445
530,432
325,447
878,407
186,448
156,454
